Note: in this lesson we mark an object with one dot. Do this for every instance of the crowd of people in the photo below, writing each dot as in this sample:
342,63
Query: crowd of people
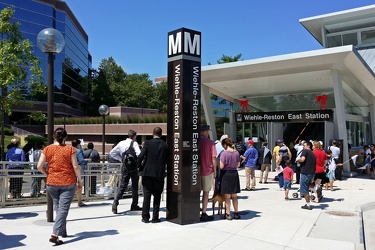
307,163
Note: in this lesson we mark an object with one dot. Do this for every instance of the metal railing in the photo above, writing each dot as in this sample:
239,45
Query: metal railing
23,185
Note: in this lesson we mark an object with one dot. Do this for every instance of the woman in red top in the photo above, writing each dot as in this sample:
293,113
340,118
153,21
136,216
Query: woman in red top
63,178
320,173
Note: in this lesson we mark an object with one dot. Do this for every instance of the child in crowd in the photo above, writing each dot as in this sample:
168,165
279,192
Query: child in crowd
288,178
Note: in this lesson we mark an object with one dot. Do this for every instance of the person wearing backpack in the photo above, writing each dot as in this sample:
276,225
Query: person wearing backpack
121,153
281,153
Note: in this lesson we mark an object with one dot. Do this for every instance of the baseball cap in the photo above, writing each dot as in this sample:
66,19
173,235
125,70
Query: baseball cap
250,142
205,127
223,137
280,140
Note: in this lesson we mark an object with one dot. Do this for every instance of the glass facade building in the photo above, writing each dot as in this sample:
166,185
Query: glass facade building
72,66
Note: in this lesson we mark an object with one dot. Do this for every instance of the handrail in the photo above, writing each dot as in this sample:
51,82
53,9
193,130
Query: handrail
106,176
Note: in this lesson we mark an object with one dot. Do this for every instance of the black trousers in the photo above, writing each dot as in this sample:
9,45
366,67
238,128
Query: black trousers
298,173
15,183
151,186
125,177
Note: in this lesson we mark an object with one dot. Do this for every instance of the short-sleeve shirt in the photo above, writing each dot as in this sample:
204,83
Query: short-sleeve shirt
335,152
251,155
230,159
288,173
60,167
308,166
208,151
320,157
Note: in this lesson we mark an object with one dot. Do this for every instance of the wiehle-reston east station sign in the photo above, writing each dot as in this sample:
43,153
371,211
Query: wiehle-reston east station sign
286,116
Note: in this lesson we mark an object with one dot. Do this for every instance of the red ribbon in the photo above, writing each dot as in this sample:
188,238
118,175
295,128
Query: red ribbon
245,105
322,99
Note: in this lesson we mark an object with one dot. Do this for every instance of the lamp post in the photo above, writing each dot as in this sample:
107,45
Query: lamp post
141,100
50,41
103,110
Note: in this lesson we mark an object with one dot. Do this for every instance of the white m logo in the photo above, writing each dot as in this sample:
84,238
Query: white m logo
191,46
174,46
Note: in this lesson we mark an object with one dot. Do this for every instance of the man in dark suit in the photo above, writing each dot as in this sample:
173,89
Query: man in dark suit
155,154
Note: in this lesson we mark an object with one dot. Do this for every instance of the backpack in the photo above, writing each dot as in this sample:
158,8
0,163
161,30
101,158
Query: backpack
129,159
283,152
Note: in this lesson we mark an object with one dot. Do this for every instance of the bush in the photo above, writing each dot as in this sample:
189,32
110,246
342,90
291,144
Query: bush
32,142
8,131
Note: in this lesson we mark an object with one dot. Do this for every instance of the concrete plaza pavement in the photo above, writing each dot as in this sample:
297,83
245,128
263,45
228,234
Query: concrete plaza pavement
345,219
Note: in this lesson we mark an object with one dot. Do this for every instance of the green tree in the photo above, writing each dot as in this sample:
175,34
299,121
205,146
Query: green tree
20,74
225,59
159,99
228,59
114,87
105,80
136,92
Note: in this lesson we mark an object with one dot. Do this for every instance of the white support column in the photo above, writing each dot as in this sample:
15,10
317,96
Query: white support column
208,112
372,121
275,133
323,32
340,125
328,132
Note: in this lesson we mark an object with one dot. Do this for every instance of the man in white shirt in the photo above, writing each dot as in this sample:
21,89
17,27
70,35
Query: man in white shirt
115,155
335,156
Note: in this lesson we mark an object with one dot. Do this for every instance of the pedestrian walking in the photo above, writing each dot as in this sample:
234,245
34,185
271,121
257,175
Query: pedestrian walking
63,178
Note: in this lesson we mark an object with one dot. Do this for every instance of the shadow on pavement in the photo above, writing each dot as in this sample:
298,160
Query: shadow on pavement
15,216
10,241
91,234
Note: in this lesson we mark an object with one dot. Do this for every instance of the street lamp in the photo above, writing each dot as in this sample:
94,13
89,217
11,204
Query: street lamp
103,110
50,41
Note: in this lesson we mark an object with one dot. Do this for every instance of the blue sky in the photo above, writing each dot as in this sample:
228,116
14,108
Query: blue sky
135,33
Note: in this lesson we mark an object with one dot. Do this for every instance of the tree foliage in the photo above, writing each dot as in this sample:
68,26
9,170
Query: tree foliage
228,59
225,59
20,74
114,87
159,100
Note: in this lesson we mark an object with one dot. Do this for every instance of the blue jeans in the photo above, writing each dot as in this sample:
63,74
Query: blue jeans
281,180
287,185
304,183
62,197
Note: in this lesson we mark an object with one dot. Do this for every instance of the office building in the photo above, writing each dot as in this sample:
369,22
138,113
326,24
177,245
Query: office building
72,66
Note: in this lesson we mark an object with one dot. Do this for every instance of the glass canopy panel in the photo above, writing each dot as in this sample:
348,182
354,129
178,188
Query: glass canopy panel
350,38
305,101
368,37
334,41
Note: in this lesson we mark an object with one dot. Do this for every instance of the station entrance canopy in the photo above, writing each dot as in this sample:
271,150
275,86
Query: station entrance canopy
290,74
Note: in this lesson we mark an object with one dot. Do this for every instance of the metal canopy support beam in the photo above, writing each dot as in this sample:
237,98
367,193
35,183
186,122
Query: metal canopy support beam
208,112
372,121
340,125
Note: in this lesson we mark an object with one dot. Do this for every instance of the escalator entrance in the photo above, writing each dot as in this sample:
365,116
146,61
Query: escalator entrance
293,132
